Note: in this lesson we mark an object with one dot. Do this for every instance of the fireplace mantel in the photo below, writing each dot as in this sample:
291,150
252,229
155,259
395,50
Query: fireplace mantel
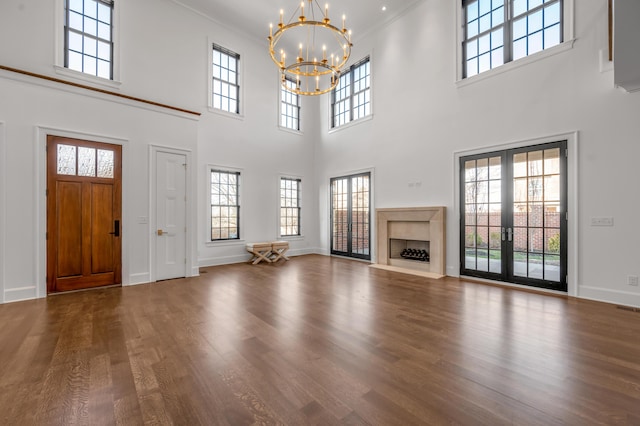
412,223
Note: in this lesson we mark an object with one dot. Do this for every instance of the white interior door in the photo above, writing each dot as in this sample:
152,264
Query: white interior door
171,208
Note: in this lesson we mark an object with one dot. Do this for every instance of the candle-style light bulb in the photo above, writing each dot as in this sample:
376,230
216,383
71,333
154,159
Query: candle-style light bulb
324,52
302,8
332,59
349,36
344,18
270,30
326,11
300,50
318,83
281,17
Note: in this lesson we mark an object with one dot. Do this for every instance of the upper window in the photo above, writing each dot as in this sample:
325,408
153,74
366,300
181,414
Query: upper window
500,31
289,106
351,99
226,88
225,205
289,207
88,37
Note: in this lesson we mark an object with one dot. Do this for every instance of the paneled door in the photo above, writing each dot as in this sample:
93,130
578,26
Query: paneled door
351,216
171,215
514,215
84,198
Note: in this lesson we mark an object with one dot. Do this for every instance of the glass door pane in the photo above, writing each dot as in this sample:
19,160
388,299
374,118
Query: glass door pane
360,215
483,214
537,213
339,215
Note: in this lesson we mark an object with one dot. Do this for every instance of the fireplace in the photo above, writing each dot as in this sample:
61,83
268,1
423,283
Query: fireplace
411,240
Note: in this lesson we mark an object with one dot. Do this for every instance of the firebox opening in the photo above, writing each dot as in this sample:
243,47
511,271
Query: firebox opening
409,249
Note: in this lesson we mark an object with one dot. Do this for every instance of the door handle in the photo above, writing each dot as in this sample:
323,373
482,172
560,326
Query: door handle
509,234
116,228
160,232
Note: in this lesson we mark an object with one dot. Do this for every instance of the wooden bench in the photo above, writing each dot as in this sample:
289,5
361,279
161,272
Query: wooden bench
279,250
268,252
260,252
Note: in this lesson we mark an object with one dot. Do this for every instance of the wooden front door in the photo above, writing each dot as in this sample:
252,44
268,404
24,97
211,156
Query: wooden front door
84,189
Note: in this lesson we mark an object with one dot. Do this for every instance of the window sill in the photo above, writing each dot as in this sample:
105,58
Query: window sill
288,130
351,124
226,113
562,47
223,243
291,238
86,78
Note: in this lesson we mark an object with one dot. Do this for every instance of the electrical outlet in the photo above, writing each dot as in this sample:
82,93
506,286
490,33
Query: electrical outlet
601,221
632,280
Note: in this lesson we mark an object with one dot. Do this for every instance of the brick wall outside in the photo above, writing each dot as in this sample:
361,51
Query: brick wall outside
340,232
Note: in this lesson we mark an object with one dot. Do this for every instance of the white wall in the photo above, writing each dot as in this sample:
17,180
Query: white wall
163,57
422,118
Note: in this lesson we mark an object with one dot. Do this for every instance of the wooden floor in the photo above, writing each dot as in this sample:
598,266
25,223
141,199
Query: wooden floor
317,340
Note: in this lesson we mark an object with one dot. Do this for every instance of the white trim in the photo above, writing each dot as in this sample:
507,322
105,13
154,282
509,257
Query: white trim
190,212
619,297
3,207
278,207
568,35
207,186
40,243
58,49
572,203
239,78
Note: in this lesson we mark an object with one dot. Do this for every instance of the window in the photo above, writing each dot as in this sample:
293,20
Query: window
289,107
225,205
500,31
226,88
88,37
289,207
351,99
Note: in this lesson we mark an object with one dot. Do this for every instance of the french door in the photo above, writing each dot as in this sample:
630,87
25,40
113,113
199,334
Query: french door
514,215
351,216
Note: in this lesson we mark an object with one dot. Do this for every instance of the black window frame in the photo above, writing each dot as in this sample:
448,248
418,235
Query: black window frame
501,49
286,106
236,72
237,174
68,30
297,207
350,94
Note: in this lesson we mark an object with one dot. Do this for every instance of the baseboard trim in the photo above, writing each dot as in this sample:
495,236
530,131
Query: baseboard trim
21,293
141,278
617,297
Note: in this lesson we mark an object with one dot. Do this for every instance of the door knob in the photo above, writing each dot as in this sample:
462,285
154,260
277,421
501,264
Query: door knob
160,232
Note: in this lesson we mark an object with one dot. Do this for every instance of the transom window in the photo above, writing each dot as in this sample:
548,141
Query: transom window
351,99
84,161
226,88
225,205
500,31
289,207
289,107
88,37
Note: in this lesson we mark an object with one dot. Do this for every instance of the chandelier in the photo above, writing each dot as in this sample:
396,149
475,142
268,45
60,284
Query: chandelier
321,49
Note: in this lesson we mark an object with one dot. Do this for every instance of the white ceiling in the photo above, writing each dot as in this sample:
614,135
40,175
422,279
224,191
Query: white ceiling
253,16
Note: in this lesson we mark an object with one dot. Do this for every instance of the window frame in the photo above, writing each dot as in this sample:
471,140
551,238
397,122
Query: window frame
351,96
213,46
567,40
60,47
297,179
282,103
231,171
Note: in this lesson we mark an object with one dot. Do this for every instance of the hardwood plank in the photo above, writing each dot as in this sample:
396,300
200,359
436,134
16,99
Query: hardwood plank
317,340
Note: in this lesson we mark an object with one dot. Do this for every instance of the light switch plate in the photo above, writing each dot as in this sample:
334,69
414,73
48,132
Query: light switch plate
601,221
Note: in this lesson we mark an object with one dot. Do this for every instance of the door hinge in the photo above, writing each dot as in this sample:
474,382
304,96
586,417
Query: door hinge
46,235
